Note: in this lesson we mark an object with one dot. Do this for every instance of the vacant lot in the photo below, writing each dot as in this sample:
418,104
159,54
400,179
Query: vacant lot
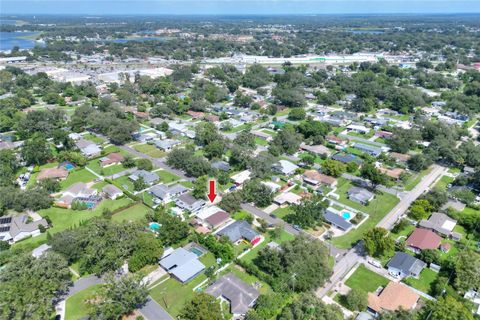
150,150
76,306
134,213
424,282
366,280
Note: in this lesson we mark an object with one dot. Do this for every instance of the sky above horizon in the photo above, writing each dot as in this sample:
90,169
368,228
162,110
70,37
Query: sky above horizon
231,7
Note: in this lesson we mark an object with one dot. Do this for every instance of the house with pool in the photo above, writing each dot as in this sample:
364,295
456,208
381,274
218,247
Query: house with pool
79,192
338,219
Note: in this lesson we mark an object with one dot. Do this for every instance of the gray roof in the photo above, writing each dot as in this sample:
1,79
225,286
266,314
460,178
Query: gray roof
183,264
359,194
240,295
336,220
166,144
368,149
221,165
18,224
161,191
111,190
346,158
148,177
189,202
240,229
439,222
38,251
406,263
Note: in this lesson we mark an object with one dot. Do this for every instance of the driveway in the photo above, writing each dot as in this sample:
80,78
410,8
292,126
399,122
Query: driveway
153,311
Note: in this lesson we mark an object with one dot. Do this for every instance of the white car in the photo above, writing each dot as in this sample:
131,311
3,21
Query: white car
374,263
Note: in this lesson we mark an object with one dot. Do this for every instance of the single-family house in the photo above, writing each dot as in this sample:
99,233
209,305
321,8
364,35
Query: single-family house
284,167
358,128
189,203
167,144
314,178
221,165
262,135
400,157
241,177
274,187
394,173
393,297
316,149
217,219
373,151
53,173
88,148
439,223
333,217
239,230
336,140
111,159
404,265
77,190
384,134
182,264
347,158
164,194
360,195
149,178
239,294
287,198
422,239
112,192
40,250
15,228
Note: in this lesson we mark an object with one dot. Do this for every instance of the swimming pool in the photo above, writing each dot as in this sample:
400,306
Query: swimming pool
69,166
90,205
154,226
346,215
198,252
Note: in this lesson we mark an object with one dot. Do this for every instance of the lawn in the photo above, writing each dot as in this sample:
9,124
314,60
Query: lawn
443,182
134,213
282,212
75,307
424,283
261,142
241,215
173,295
77,175
63,219
107,171
285,236
366,280
93,138
414,179
150,150
166,177
124,183
377,209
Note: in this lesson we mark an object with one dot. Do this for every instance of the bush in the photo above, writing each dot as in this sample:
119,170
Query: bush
355,300
41,228
144,164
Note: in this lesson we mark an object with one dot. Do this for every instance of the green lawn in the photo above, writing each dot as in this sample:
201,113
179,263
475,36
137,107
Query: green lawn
167,177
366,280
93,138
282,212
241,215
150,150
63,219
124,183
443,182
76,306
424,282
134,213
285,236
414,179
261,142
377,209
173,295
77,175
107,171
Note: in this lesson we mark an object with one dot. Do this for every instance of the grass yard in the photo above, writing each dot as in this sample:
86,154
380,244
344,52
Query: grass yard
134,213
241,215
77,175
107,171
377,209
166,177
424,282
285,236
443,182
173,295
261,142
366,280
124,183
94,138
63,219
282,212
76,307
150,150
413,180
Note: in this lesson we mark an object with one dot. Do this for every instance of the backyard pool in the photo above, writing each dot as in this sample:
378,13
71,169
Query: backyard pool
346,215
91,205
154,226
69,166
198,252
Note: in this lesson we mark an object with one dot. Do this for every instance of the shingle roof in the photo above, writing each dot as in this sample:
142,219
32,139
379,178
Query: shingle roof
240,295
423,239
393,297
337,220
217,219
406,263
439,222
238,230
182,263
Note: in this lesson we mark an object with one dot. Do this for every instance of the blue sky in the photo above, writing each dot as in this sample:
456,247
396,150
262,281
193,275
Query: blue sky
226,7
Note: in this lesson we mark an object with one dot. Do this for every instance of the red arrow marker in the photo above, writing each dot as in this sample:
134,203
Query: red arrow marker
211,191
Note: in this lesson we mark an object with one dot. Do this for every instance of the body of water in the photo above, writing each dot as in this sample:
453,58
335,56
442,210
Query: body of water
8,22
8,40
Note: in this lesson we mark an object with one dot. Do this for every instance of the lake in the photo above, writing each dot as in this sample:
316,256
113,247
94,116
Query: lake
8,40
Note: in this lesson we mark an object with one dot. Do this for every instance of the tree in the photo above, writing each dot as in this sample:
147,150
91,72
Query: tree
258,193
144,164
448,308
29,286
314,131
419,162
370,172
397,315
377,242
200,187
148,250
173,229
36,150
333,168
139,184
214,149
231,201
50,185
420,209
128,161
430,256
309,213
467,269
202,307
297,114
286,141
119,296
309,307
356,300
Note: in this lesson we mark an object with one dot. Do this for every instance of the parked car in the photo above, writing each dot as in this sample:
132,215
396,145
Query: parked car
374,263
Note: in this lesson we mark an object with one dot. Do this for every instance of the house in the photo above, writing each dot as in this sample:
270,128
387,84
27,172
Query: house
164,194
182,264
77,190
347,158
392,173
316,149
384,134
217,219
284,167
422,239
287,198
112,192
358,128
404,265
149,178
272,185
189,203
333,217
239,230
335,140
360,195
167,144
400,157
474,297
195,114
315,178
111,159
221,165
373,151
15,228
88,148
240,295
241,177
53,173
376,121
262,135
439,223
393,297
40,250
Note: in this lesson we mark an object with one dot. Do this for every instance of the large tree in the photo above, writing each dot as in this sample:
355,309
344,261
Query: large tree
202,307
467,268
309,307
378,242
308,213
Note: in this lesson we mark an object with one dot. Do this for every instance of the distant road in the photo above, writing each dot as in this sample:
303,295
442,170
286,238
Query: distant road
356,254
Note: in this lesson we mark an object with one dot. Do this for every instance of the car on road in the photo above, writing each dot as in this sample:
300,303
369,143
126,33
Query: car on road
297,227
374,263
273,216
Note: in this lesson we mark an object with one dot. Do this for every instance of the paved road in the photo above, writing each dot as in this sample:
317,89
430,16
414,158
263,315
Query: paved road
356,253
83,283
153,311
